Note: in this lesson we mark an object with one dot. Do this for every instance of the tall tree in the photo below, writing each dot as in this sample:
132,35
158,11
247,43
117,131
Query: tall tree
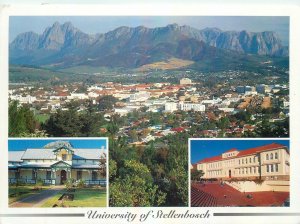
21,120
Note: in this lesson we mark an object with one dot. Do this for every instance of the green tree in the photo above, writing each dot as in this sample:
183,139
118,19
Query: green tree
64,123
102,165
21,120
133,135
135,187
107,102
196,174
224,123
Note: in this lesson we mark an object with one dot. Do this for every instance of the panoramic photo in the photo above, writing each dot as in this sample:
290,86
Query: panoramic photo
149,83
241,173
57,172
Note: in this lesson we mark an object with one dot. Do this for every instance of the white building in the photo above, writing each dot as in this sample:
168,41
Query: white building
78,96
185,81
139,97
170,107
56,165
23,99
270,161
191,106
94,87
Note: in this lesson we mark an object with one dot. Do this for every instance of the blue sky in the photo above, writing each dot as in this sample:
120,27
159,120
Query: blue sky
201,149
23,144
102,24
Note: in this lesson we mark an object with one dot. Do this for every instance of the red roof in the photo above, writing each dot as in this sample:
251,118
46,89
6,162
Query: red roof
179,129
260,149
244,152
211,159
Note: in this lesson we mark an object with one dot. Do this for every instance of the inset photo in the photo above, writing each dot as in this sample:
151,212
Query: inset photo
239,172
56,172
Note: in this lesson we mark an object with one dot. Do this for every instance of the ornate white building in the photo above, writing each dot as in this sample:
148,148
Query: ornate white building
57,165
268,162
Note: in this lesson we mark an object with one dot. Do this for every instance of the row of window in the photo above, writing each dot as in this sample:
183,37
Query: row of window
214,173
271,156
230,154
48,175
249,170
246,160
219,164
79,175
272,168
64,159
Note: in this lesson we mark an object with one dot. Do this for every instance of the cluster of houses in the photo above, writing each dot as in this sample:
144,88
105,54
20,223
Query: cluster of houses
162,98
158,97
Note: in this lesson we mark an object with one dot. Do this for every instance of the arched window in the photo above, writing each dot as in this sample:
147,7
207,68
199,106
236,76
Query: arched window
267,157
271,156
276,155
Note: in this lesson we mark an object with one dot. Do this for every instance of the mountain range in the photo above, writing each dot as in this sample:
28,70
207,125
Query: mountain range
63,45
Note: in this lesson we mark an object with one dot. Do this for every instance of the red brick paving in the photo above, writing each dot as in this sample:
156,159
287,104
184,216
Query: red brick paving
215,195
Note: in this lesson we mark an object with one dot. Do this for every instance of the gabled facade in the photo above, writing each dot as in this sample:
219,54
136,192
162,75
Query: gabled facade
268,162
57,165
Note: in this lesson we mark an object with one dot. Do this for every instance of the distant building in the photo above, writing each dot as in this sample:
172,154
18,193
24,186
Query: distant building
94,87
194,99
170,107
240,89
23,99
261,88
139,97
191,106
78,96
249,89
185,81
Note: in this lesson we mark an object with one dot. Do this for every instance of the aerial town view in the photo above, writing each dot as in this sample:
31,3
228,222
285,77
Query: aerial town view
149,84
240,173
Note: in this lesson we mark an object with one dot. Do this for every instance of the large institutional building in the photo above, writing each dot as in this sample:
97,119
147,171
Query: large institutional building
268,162
56,165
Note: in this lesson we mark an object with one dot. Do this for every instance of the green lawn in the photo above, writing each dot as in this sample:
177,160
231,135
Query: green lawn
42,118
17,193
86,197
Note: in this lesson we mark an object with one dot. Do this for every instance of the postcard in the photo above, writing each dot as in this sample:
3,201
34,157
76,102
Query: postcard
149,113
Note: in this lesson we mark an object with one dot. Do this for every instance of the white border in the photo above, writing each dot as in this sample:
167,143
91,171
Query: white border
165,9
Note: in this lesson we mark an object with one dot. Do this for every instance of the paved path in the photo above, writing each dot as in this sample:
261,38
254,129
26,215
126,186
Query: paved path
37,200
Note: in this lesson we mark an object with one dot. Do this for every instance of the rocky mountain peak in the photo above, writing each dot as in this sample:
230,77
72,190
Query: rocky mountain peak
65,40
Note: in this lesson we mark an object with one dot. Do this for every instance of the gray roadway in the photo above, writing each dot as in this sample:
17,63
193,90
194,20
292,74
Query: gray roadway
37,200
